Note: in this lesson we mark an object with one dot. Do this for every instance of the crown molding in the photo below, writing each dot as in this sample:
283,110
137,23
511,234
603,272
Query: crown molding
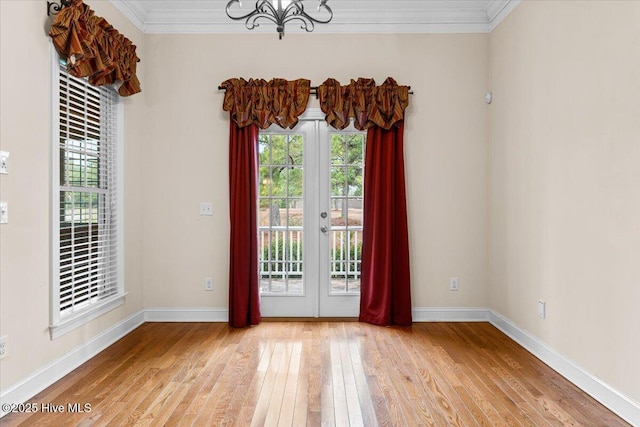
133,11
498,10
412,19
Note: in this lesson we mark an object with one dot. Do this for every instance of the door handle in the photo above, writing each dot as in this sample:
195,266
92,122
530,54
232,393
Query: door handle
324,229
323,215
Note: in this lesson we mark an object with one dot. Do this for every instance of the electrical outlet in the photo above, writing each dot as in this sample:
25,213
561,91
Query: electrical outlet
3,347
4,213
542,309
453,284
208,284
206,208
4,162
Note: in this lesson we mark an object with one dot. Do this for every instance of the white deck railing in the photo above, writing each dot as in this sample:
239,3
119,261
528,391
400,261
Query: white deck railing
282,255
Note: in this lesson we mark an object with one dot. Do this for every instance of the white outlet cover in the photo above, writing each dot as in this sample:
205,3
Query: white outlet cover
3,347
454,284
4,162
4,213
206,208
542,309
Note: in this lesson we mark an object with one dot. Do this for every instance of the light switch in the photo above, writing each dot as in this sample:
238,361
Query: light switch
4,213
4,162
206,208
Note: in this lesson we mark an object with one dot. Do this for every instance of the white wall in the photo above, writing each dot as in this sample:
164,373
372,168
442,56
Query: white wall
25,131
565,181
187,156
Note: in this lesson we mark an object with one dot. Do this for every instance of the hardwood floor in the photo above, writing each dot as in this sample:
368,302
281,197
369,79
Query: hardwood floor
315,373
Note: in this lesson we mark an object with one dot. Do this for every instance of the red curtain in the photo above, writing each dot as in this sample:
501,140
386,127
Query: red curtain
385,297
252,105
244,296
385,288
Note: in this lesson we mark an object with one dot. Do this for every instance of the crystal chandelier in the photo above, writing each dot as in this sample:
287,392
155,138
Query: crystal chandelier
280,12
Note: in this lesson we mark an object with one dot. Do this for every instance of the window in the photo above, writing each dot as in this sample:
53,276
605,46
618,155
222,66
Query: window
87,253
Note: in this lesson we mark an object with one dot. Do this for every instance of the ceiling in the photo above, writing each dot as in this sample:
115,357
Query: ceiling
349,16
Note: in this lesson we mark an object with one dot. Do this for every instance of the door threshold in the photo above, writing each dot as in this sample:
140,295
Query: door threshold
309,319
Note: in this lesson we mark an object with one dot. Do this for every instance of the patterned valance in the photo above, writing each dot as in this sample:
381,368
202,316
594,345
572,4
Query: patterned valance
94,49
364,102
264,102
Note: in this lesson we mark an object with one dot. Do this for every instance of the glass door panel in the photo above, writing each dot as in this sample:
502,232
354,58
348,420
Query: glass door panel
283,244
341,253
310,221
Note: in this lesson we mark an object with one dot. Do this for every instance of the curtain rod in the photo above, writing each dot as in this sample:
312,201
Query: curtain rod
314,90
53,8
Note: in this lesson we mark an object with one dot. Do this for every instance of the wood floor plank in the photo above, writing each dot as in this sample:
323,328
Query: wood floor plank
450,360
314,401
340,407
327,405
315,374
201,374
364,395
285,417
439,395
560,398
485,385
252,392
434,363
266,388
354,407
236,392
277,393
502,392
301,403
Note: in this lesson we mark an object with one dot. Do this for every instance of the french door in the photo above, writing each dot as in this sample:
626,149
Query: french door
310,202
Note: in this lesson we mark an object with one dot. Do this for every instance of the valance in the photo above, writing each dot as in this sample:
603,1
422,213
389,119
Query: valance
264,102
369,105
94,49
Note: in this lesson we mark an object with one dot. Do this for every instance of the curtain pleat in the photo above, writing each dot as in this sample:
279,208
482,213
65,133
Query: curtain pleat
364,102
264,103
244,296
94,49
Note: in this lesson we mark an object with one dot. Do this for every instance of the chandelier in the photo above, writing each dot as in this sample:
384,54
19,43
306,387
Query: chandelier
280,12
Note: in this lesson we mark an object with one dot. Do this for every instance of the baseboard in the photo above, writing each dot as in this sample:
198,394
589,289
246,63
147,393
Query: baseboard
179,314
621,405
462,314
43,378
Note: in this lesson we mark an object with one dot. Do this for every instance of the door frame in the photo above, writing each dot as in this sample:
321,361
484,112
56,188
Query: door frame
316,300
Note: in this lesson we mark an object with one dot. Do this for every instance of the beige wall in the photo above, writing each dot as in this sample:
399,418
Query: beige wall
187,140
565,181
25,122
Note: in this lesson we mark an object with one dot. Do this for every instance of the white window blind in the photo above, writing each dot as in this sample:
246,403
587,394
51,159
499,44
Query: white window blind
87,252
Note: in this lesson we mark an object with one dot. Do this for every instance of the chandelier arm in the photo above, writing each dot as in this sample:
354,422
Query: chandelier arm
264,9
295,10
306,24
252,21
261,5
